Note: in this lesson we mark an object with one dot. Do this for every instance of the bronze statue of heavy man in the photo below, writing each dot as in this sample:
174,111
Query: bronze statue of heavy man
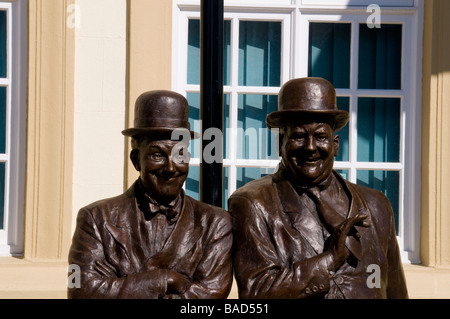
154,241
305,231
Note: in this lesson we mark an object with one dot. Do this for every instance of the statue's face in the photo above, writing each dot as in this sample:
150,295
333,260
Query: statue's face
163,168
308,151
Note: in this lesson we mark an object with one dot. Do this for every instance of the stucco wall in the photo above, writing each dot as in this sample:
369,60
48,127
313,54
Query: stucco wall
100,90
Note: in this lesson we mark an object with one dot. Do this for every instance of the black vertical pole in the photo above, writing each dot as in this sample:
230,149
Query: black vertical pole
211,97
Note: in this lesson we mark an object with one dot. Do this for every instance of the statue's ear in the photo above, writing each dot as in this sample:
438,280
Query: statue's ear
280,143
281,133
336,143
134,156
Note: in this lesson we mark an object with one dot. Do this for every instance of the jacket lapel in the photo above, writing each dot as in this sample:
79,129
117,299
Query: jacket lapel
123,224
183,237
301,218
358,204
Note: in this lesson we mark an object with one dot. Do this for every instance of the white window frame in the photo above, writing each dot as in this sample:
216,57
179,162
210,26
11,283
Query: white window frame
298,14
11,237
349,3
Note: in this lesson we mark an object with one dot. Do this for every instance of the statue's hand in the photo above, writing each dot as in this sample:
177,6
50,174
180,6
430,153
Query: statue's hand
338,250
176,282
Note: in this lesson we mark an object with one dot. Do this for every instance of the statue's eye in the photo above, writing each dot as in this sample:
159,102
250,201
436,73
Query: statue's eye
157,156
321,137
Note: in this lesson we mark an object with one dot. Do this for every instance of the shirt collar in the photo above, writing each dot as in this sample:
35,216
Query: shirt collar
301,188
290,194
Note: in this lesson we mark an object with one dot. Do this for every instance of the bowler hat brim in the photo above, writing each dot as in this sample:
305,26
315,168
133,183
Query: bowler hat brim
277,119
154,131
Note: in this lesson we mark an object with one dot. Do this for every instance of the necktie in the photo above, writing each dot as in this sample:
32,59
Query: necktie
333,220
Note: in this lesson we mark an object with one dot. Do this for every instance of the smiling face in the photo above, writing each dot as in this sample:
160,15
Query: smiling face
163,167
308,151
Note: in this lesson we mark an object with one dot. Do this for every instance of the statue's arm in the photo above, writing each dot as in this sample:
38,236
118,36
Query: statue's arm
213,276
260,270
98,278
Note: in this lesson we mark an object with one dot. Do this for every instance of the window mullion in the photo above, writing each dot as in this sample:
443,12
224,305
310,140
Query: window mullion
233,123
353,108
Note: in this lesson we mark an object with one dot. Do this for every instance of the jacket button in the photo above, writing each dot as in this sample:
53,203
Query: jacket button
321,287
315,289
307,291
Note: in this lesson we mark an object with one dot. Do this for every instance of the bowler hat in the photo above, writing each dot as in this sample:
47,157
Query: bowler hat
306,98
160,111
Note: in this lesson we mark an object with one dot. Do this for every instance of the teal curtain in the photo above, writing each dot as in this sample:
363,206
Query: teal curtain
329,52
343,173
192,182
3,106
388,182
3,44
254,139
3,120
380,57
2,194
193,69
343,103
378,129
194,118
194,121
259,53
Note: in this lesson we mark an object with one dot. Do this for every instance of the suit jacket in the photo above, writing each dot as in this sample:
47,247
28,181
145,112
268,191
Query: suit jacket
275,259
109,246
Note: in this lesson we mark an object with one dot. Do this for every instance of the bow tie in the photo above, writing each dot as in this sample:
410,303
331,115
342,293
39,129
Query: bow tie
150,205
168,211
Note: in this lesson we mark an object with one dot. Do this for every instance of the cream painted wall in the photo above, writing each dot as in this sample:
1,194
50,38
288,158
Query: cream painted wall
100,93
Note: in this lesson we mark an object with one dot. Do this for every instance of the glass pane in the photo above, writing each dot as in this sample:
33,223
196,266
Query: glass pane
192,185
226,125
225,189
194,121
385,181
2,120
329,52
3,43
343,173
227,52
2,194
380,57
259,53
343,103
248,174
193,67
255,141
379,129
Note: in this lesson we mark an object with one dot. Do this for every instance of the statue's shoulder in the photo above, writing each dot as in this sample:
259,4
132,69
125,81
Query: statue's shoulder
373,197
201,208
258,188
